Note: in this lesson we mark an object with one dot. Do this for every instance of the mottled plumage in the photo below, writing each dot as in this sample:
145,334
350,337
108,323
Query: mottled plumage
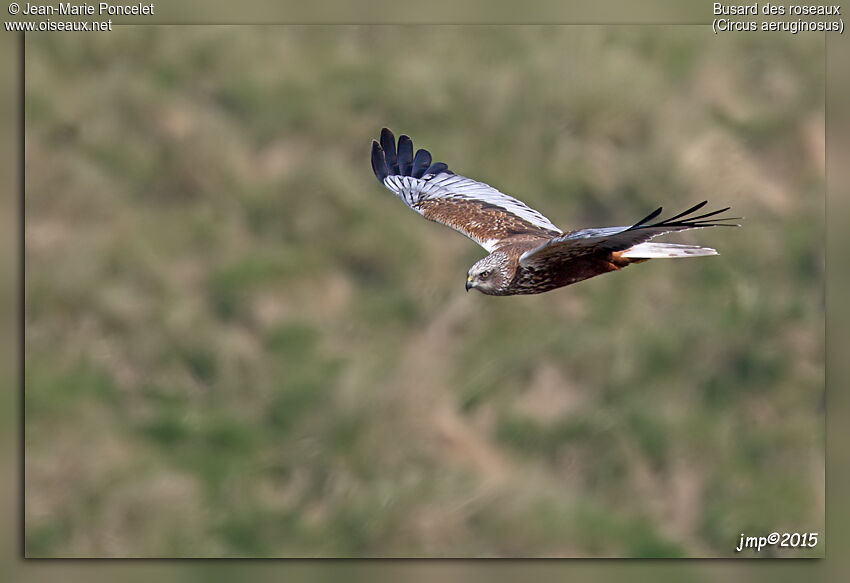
528,254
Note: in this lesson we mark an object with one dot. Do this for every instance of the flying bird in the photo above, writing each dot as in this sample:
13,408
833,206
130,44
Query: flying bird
528,254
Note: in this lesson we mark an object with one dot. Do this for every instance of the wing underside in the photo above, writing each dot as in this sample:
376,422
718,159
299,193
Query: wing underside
479,211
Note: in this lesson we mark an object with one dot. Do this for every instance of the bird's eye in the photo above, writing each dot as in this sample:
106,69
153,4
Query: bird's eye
485,274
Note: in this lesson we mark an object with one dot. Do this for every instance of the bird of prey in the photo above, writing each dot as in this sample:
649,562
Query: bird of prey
528,254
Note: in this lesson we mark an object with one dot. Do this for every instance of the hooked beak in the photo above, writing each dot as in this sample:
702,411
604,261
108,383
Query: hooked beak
469,284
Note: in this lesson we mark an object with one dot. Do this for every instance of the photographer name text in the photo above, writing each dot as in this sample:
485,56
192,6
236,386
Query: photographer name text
99,9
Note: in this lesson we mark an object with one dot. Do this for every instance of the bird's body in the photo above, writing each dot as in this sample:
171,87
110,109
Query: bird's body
528,254
537,279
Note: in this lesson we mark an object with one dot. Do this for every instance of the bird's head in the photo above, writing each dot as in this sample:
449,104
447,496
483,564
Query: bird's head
490,275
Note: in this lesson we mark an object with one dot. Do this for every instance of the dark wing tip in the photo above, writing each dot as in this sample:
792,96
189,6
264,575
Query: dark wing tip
436,168
391,160
379,162
420,163
694,208
684,219
405,155
388,144
648,218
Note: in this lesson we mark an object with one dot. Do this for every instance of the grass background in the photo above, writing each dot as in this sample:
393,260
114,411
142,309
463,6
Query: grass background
238,343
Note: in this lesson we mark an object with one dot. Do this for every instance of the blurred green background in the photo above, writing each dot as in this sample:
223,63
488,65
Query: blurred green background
239,344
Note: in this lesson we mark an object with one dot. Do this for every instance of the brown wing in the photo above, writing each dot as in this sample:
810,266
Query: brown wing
608,239
479,211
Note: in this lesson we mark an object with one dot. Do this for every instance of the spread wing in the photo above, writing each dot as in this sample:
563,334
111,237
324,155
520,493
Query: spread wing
586,241
479,211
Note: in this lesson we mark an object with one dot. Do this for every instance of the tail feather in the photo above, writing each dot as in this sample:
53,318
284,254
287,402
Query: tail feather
665,250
